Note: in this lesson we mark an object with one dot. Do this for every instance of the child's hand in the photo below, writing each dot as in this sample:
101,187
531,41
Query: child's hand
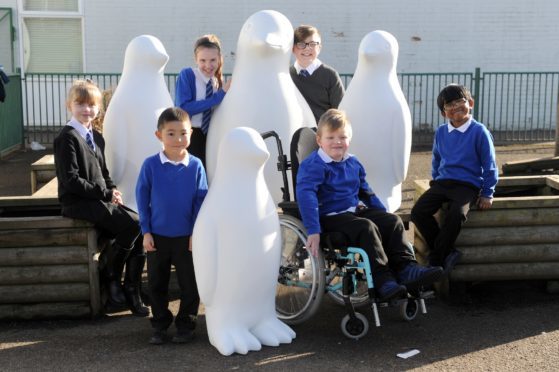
117,197
148,243
313,244
484,203
226,85
190,244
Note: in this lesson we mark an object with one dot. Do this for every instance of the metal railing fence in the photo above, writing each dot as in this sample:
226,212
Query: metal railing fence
520,106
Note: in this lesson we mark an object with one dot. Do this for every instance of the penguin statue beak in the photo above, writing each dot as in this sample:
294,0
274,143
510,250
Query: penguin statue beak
274,41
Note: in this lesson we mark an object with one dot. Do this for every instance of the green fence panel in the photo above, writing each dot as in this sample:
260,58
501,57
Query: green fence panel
520,106
11,117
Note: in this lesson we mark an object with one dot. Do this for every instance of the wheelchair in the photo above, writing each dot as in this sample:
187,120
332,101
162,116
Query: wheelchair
340,271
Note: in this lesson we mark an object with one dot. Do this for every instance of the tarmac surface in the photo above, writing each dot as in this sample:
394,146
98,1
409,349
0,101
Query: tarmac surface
495,326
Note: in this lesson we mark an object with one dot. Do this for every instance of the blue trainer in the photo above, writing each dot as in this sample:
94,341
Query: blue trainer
451,260
390,290
414,276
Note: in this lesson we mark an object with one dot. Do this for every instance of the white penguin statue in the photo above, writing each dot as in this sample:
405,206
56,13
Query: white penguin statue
237,250
262,95
380,117
131,118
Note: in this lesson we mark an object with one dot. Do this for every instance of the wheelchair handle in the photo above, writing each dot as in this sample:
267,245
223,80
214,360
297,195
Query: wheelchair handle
283,163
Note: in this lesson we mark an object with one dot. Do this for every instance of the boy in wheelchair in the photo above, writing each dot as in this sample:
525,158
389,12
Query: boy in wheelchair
333,196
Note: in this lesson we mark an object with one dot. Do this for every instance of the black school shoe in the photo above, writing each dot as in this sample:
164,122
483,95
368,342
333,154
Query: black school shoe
414,276
158,337
183,336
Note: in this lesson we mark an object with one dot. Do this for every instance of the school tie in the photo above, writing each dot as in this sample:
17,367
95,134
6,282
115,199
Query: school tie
89,140
206,117
304,73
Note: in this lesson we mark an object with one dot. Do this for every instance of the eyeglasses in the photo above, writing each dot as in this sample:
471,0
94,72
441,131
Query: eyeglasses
454,104
303,45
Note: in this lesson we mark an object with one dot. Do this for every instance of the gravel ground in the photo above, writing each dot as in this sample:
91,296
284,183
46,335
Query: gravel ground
495,327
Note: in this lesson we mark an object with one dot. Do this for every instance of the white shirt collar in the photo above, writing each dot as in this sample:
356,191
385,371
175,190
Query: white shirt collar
164,159
82,130
327,159
310,68
463,128
200,75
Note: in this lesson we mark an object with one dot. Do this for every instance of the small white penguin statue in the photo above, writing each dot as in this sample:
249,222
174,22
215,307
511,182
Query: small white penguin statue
380,117
237,250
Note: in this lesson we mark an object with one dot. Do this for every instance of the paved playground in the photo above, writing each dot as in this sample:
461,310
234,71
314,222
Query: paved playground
495,327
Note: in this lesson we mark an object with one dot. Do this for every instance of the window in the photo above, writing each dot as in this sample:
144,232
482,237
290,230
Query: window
52,36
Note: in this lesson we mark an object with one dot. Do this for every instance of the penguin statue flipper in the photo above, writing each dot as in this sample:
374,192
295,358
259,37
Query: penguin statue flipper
116,143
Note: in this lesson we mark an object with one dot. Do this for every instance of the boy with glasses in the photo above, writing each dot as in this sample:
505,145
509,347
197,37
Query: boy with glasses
464,173
319,84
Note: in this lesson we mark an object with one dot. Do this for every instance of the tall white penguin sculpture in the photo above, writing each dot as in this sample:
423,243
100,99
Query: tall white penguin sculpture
236,259
262,95
131,118
380,117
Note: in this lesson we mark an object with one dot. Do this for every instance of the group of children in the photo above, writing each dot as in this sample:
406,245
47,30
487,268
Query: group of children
333,193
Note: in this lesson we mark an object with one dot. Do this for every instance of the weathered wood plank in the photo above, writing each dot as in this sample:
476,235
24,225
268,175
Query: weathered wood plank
43,222
508,235
510,253
43,255
531,165
506,271
48,190
512,217
64,310
35,293
56,237
44,274
15,202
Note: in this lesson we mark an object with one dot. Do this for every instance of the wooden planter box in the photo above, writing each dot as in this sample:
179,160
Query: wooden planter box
48,263
518,238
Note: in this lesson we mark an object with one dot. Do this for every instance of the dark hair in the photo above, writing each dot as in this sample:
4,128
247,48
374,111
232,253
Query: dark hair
302,32
172,114
212,42
450,93
332,120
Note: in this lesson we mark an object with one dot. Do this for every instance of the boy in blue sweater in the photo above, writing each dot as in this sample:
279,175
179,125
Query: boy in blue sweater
333,195
464,173
170,190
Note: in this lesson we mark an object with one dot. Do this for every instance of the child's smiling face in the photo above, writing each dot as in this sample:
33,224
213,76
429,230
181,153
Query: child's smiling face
305,56
458,111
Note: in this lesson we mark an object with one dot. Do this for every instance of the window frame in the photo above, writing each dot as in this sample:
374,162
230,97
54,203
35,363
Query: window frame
25,14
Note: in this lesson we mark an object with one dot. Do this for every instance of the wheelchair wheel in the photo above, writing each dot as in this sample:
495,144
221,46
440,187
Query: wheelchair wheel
359,299
409,309
301,276
355,328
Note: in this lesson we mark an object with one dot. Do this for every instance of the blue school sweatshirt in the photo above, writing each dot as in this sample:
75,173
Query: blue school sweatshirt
466,157
169,196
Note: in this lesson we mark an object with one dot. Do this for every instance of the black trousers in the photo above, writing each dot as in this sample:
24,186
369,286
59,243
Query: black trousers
380,234
172,251
440,240
198,145
119,222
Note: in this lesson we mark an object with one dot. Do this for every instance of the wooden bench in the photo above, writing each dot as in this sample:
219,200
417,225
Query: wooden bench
48,263
42,171
518,238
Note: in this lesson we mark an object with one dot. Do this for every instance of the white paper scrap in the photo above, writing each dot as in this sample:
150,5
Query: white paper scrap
408,354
